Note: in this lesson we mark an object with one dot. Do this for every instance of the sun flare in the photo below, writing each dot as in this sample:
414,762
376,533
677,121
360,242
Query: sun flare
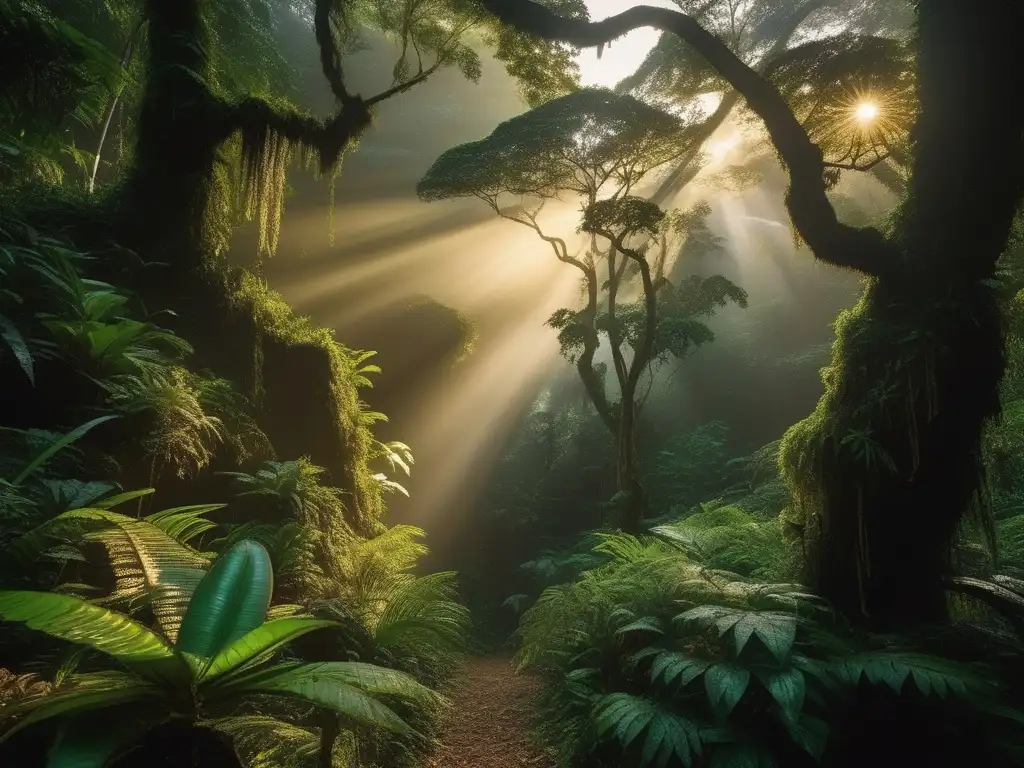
866,111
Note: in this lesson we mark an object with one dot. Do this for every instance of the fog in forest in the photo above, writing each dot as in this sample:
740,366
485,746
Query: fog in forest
390,252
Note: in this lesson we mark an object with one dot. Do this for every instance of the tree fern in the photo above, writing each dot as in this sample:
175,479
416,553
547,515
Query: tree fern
149,564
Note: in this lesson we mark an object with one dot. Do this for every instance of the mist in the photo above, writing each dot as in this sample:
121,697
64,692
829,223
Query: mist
365,265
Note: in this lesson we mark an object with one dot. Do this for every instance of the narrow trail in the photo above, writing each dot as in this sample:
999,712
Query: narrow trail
488,724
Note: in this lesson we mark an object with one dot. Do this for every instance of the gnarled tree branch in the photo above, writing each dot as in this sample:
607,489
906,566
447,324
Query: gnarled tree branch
862,249
328,137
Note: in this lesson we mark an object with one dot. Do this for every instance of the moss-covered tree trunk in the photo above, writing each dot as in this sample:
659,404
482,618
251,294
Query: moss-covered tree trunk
888,466
164,203
166,210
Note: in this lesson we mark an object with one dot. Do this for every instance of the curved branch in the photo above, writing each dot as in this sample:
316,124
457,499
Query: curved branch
853,166
557,244
593,385
863,249
330,56
684,172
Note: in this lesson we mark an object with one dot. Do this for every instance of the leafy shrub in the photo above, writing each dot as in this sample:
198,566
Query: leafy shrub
652,660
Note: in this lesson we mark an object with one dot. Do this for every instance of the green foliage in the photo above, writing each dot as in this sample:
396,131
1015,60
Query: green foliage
572,143
192,416
827,79
276,319
728,539
40,267
56,81
545,70
653,660
682,309
230,601
688,468
221,655
150,559
106,342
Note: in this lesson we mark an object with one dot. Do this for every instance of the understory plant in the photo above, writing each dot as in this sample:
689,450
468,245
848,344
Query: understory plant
653,659
224,653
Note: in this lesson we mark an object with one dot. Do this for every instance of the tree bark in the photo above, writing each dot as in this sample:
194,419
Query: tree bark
182,124
885,536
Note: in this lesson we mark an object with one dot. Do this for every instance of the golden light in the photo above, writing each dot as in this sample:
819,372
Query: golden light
866,111
719,148
624,55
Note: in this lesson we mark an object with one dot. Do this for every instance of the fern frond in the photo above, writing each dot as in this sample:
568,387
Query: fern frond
148,563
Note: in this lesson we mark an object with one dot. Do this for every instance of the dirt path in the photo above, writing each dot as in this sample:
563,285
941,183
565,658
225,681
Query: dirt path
488,725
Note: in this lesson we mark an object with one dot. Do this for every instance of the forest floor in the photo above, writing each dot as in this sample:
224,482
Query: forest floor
488,725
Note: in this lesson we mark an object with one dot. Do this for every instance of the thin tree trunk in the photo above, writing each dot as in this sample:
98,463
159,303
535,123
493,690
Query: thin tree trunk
126,58
627,464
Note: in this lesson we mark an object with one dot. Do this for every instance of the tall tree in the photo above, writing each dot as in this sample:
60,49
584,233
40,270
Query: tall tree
207,89
598,146
888,465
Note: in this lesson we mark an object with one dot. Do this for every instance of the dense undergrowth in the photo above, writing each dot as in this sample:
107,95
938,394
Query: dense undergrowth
119,417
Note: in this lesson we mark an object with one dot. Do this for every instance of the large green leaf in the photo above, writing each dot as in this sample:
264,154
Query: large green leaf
776,630
670,738
366,677
725,685
77,621
10,333
84,693
265,639
787,687
230,601
930,674
325,685
674,665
